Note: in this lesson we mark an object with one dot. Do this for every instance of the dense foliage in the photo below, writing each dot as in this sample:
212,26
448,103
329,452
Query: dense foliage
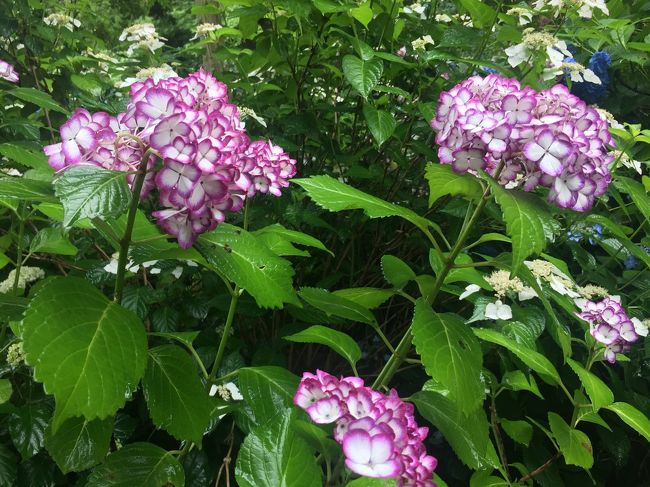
324,242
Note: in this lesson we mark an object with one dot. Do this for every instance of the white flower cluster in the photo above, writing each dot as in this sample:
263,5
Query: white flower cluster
245,113
417,9
525,16
421,42
466,20
142,36
585,8
535,42
163,71
62,20
228,391
27,276
204,30
15,354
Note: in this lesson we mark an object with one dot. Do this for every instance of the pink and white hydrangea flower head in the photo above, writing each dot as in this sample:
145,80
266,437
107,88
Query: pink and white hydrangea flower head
610,325
209,164
378,433
549,138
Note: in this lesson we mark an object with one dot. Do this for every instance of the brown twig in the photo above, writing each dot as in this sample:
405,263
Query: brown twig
227,459
539,469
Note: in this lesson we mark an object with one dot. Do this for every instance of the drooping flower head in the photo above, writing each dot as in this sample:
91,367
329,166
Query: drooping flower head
610,325
378,432
549,138
8,72
209,163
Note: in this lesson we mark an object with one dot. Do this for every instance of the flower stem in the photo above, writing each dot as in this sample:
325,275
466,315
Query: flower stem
19,246
226,333
125,242
404,345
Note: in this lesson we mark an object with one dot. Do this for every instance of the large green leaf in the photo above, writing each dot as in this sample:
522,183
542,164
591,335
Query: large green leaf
637,192
79,444
634,418
381,123
25,189
444,181
481,13
273,455
141,464
528,222
396,271
27,426
38,98
469,436
88,351
531,358
243,259
52,240
90,191
292,236
598,392
8,466
451,354
267,390
334,195
520,431
363,75
176,398
574,444
5,390
26,157
338,341
333,305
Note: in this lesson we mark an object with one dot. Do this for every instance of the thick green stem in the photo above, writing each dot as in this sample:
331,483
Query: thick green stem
226,333
19,246
404,345
125,242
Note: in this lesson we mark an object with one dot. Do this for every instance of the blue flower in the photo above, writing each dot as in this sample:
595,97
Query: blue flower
591,92
487,70
574,236
598,228
630,262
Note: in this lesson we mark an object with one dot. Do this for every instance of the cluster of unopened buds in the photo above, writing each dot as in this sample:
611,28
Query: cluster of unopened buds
610,325
8,72
549,138
378,432
209,165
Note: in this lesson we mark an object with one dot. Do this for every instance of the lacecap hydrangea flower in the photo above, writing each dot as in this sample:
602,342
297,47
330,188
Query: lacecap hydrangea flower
594,92
610,325
549,138
209,164
8,72
378,432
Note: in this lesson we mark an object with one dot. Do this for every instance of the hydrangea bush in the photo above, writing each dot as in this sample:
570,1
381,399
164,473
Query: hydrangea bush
449,286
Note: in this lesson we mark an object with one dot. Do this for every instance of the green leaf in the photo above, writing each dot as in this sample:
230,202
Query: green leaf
338,341
363,75
368,297
528,222
25,189
8,466
598,392
293,236
79,444
396,271
370,482
517,381
90,191
520,431
273,455
26,157
27,426
244,260
481,13
38,98
444,181
86,350
531,358
363,13
175,395
52,240
451,355
267,390
330,6
141,464
12,307
5,390
574,444
631,416
381,124
637,192
334,195
333,305
469,436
